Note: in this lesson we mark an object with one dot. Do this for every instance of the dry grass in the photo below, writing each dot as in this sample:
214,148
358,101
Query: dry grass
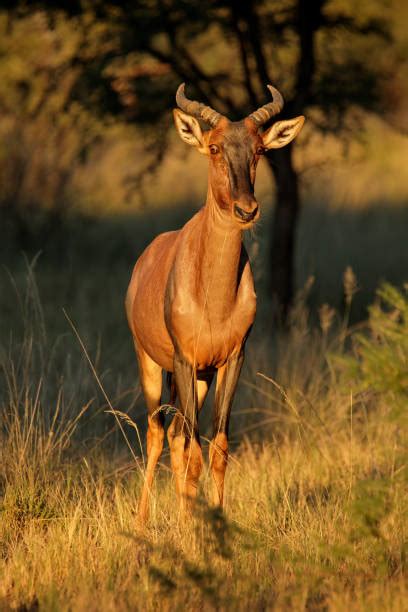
316,504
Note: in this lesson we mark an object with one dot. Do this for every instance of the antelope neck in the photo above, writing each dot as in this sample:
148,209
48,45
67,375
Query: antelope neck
219,252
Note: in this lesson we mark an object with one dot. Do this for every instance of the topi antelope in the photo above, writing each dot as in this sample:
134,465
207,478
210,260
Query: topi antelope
191,300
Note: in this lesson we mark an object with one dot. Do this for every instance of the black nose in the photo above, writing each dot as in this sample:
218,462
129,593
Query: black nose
243,215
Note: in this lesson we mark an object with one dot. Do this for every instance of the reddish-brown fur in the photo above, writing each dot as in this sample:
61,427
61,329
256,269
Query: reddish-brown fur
191,303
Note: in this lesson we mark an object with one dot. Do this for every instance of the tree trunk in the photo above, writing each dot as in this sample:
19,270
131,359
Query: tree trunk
282,250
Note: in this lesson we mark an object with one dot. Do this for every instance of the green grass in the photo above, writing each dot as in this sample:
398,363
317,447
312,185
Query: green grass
316,505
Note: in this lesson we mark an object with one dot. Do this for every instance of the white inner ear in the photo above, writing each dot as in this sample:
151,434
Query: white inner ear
188,128
282,132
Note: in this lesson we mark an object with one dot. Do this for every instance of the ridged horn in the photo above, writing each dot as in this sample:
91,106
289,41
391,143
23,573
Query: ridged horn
265,112
196,109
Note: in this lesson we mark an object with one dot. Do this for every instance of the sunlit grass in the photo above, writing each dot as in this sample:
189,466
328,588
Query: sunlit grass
316,506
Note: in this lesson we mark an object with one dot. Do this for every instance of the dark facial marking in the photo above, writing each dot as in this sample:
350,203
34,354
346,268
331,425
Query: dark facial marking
238,150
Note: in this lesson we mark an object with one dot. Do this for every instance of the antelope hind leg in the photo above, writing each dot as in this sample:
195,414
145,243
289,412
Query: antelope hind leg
151,381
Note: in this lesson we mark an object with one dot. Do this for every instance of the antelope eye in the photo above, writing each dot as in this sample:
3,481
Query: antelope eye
214,149
260,151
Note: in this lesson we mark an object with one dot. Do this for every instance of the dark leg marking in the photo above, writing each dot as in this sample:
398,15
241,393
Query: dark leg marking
184,440
227,379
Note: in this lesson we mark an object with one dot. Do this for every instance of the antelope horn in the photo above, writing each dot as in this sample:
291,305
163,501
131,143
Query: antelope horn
196,109
265,112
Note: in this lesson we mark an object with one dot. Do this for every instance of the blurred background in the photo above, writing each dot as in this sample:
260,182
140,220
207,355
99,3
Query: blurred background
91,168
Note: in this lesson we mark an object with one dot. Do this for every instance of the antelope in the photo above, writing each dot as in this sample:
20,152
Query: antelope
191,301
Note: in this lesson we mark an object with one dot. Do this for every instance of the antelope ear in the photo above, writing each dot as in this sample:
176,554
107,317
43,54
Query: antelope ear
188,128
282,132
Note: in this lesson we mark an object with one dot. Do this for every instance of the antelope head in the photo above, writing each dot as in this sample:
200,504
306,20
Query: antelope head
234,149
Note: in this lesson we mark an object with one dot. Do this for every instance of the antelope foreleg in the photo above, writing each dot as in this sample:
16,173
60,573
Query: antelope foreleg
227,379
184,440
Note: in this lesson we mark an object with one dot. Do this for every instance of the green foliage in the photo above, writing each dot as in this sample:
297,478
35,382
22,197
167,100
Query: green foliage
325,56
380,360
66,72
48,125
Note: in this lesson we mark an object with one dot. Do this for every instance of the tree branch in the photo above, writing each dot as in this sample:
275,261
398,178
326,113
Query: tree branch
193,69
309,19
255,38
243,44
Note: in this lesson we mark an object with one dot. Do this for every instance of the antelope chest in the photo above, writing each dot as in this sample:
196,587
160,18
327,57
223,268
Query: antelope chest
206,338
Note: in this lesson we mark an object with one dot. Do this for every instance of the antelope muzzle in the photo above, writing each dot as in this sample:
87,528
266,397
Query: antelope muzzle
247,214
